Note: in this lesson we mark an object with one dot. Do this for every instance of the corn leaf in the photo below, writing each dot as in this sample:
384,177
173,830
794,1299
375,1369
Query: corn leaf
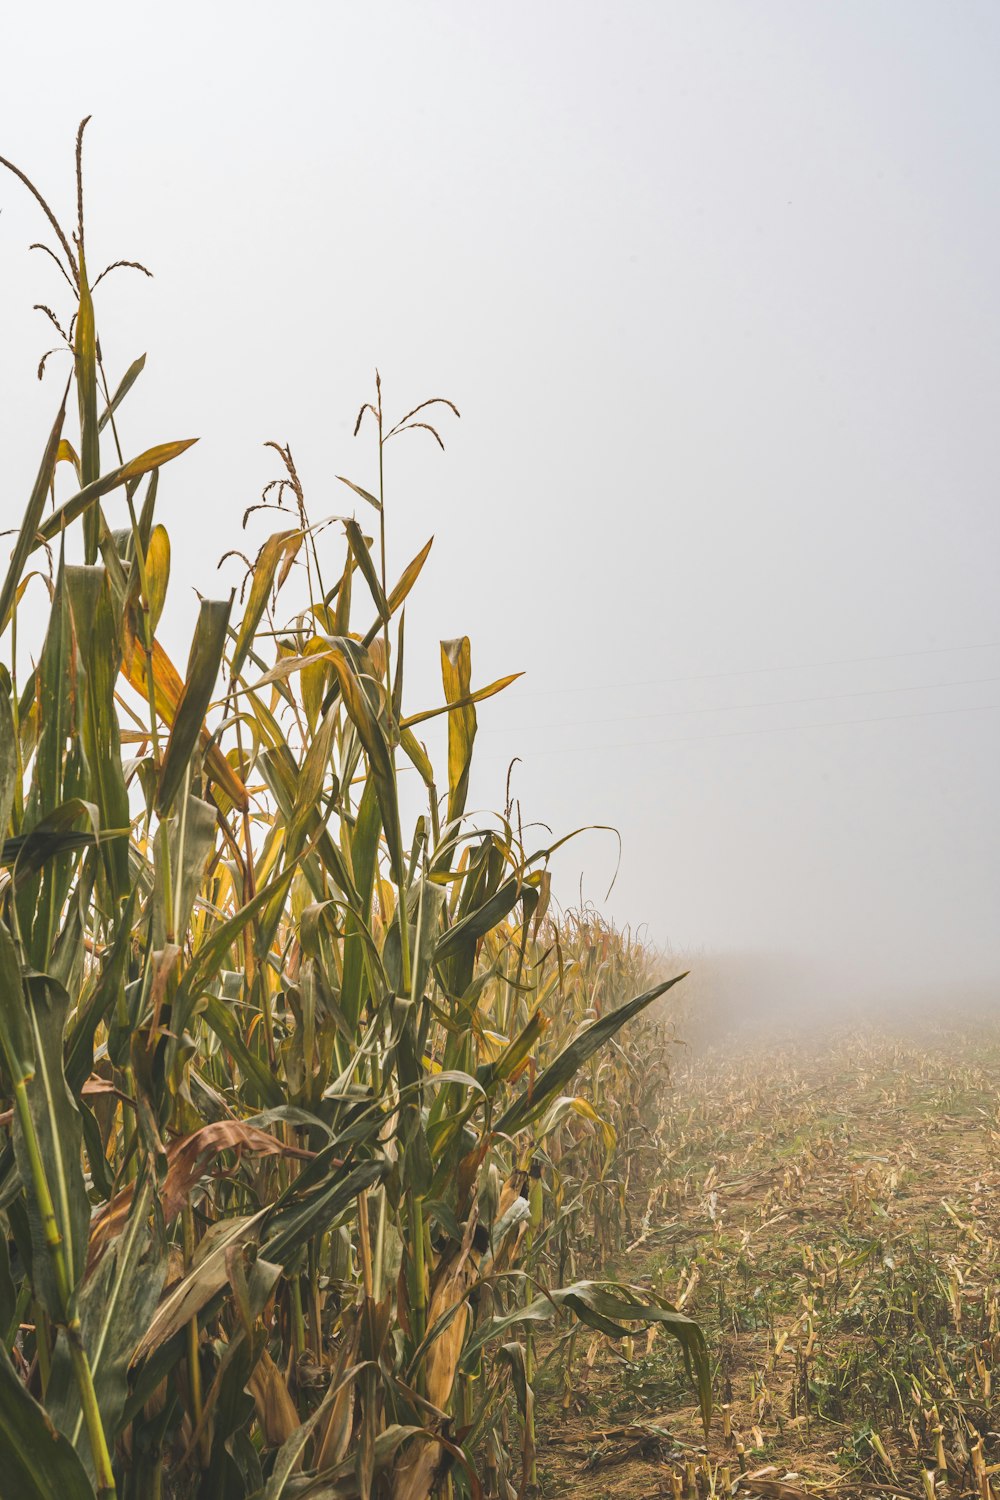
553,1079
36,1461
202,674
126,383
58,1130
26,537
456,673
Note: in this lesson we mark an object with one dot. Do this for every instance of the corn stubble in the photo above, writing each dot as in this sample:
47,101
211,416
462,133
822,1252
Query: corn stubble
308,1117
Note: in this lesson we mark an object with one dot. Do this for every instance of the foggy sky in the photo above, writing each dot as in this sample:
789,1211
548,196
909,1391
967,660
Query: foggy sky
715,288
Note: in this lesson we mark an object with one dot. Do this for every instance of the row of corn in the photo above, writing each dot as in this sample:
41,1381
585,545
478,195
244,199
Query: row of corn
315,1118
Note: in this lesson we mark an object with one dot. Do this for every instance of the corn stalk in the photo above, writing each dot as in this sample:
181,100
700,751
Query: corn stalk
303,1107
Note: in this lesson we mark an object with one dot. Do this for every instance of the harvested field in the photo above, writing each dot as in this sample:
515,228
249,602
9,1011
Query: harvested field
340,1157
828,1213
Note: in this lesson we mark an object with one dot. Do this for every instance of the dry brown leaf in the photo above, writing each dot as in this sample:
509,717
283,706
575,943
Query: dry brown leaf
275,1408
186,1160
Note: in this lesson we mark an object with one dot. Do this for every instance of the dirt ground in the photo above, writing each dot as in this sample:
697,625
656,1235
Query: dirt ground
828,1212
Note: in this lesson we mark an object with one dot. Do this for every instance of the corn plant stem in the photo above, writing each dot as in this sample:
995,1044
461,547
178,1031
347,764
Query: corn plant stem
382,561
529,1418
419,1278
91,1413
111,415
129,1125
404,937
568,1368
147,640
304,523
17,811
13,1328
379,1246
365,1247
298,1320
315,1309
82,1373
194,1362
250,881
530,1472
435,813
41,1318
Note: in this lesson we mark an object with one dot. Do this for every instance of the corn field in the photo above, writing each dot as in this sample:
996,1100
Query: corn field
315,1124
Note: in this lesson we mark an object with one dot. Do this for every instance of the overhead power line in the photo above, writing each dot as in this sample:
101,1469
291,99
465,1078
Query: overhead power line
727,708
726,734
802,666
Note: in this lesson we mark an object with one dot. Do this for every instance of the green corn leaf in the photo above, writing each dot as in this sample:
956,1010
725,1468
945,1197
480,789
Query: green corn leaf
8,757
153,458
364,839
204,662
36,1461
59,1133
553,1079
478,696
15,1028
283,545
341,1481
206,1278
282,776
365,494
82,503
258,1077
309,786
157,572
615,1309
189,834
365,561
53,835
291,1226
38,906
98,998
374,742
466,933
126,383
211,954
456,673
408,577
117,1298
513,1355
34,511
99,655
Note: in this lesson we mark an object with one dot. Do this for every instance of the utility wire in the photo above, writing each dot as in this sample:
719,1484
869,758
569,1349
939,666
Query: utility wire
802,666
680,739
728,708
